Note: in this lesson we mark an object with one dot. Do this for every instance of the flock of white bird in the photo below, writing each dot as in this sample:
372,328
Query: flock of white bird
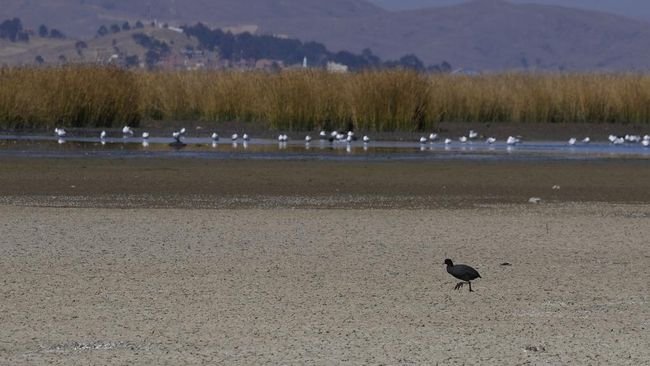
514,140
619,140
470,137
349,137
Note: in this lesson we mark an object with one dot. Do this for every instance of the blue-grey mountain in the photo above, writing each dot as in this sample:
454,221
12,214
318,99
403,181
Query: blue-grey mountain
631,8
481,35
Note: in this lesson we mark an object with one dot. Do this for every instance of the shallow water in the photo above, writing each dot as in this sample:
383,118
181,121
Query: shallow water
47,146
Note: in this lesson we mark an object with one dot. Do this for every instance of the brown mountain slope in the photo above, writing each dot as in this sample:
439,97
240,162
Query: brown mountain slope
484,34
97,49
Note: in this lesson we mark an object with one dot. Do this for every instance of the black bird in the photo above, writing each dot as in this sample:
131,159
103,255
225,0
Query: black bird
178,142
462,272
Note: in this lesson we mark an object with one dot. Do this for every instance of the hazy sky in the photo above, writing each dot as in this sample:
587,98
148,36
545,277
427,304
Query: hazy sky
633,8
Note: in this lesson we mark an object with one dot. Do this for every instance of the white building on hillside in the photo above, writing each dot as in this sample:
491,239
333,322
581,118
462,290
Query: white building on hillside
336,67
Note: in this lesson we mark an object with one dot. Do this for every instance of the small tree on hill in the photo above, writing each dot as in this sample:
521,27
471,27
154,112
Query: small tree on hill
12,29
102,31
412,62
55,33
43,31
132,61
151,58
22,37
80,46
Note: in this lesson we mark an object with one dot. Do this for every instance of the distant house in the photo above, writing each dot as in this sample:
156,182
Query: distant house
175,29
336,67
266,64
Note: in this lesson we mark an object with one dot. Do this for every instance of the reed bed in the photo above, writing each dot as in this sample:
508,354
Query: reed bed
390,100
76,97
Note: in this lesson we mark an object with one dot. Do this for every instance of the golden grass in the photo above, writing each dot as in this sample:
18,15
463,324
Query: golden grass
388,100
67,96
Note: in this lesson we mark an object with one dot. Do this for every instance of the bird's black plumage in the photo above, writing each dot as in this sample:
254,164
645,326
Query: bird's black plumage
462,272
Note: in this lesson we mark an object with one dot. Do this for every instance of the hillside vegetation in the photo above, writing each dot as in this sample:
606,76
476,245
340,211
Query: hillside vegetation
96,50
388,100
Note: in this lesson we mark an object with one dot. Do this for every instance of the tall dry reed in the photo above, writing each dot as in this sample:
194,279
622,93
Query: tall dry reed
79,96
308,99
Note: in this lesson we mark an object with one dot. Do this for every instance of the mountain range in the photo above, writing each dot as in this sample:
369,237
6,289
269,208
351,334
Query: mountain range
639,9
479,34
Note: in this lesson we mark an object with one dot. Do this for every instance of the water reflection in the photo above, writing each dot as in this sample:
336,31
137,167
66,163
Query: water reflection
43,145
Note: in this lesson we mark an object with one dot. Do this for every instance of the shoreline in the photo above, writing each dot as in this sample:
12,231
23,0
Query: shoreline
169,182
501,130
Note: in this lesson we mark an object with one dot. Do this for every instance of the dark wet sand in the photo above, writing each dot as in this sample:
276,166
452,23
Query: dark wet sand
242,183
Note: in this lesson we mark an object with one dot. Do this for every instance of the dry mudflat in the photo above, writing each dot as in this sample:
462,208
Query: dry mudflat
240,263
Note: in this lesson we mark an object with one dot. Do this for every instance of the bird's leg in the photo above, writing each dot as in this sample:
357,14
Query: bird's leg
470,287
459,285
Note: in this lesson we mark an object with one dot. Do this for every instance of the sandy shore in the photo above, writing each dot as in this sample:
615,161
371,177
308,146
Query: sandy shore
168,262
282,286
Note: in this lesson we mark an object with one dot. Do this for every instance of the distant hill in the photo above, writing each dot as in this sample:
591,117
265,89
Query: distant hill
142,45
239,10
639,9
495,35
482,34
100,49
83,17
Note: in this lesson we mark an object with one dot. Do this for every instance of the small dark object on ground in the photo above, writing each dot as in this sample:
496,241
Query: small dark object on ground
462,272
506,264
535,348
